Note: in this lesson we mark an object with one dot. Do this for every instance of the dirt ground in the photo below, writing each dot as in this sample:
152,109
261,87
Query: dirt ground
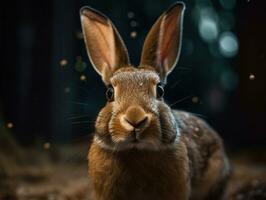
60,173
46,172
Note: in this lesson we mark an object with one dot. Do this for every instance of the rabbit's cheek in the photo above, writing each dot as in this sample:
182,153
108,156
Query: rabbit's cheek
152,132
103,119
169,128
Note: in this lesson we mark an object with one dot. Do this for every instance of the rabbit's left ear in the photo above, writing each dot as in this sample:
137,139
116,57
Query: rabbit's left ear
162,45
105,47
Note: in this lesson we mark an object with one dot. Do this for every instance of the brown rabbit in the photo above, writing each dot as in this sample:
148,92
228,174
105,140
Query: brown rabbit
141,148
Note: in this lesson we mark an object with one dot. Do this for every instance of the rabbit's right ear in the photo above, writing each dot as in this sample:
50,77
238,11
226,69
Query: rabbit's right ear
105,48
162,45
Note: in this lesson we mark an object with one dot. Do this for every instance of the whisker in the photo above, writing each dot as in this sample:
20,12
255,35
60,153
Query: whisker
175,84
78,103
76,117
88,128
82,138
180,100
76,114
82,122
83,88
184,68
199,115
73,114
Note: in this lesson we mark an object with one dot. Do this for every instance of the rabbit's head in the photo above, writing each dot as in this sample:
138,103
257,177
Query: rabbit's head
135,115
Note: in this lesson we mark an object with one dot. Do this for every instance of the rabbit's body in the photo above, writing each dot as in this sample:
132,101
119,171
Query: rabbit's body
141,148
194,166
135,174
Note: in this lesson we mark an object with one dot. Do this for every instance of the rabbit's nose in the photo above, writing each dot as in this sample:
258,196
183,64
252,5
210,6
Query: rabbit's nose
135,117
137,124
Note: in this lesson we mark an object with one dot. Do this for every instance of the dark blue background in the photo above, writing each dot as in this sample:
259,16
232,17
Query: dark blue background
48,102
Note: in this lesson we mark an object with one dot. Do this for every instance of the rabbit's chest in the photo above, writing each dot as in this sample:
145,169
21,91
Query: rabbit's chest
138,176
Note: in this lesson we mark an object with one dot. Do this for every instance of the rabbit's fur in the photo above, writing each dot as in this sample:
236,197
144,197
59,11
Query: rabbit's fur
141,148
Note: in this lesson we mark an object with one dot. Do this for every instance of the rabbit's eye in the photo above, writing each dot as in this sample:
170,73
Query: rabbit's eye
159,90
110,93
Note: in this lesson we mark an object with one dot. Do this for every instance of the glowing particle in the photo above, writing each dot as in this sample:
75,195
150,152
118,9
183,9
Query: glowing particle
130,15
133,34
63,62
83,78
79,35
46,145
252,77
67,90
133,23
196,129
80,66
195,99
9,125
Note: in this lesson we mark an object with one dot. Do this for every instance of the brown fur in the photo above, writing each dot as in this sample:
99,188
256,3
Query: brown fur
197,161
139,175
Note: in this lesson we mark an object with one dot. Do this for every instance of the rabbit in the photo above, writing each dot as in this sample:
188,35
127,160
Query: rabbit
141,149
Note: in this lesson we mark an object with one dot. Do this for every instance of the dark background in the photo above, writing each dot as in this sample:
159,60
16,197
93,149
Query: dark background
220,76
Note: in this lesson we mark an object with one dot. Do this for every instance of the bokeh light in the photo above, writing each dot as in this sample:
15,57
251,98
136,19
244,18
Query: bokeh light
130,14
83,77
228,44
252,77
195,99
208,27
133,23
63,62
9,125
46,145
79,35
67,90
80,66
133,34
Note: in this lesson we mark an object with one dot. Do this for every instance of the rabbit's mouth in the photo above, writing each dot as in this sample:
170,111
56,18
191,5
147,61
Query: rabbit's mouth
128,144
147,138
132,144
132,137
